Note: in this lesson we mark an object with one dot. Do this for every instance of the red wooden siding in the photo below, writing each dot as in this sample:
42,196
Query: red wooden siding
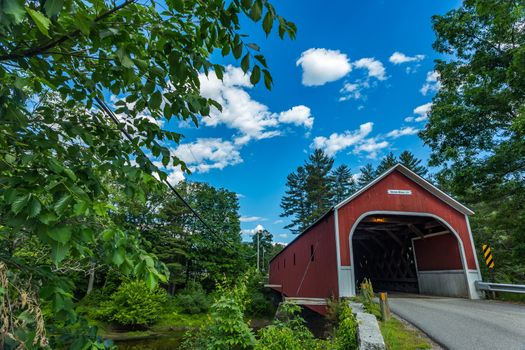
307,278
438,253
376,198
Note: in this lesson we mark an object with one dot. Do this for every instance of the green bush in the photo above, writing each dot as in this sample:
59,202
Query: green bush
134,304
287,333
192,299
346,332
259,304
227,330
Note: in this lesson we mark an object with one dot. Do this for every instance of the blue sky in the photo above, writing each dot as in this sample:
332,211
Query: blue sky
356,82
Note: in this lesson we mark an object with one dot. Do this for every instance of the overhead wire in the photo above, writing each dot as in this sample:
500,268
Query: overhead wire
104,107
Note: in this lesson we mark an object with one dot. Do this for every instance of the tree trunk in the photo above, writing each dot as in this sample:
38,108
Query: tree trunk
91,278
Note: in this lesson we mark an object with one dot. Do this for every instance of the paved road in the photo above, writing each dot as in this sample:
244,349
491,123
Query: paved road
460,324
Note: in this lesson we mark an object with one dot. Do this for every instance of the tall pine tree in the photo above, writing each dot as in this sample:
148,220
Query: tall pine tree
386,163
295,202
368,174
411,162
319,183
343,183
313,189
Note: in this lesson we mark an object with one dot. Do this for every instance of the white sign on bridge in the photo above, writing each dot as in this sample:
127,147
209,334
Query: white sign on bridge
400,192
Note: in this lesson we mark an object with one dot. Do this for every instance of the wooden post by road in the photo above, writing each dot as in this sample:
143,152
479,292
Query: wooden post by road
385,308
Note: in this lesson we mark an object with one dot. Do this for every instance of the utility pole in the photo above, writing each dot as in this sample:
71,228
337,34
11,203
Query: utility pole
258,237
263,263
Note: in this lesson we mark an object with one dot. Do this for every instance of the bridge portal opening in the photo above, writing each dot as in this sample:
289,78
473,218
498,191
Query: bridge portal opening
410,254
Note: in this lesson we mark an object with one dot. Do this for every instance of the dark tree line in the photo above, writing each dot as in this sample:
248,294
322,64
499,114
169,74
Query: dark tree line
316,185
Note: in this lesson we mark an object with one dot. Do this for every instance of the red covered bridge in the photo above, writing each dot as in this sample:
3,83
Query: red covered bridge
400,231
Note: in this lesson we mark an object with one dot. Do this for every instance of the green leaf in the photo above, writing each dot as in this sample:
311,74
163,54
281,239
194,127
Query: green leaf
124,58
155,100
19,203
108,234
261,60
267,23
41,21
70,174
151,281
80,208
268,81
47,218
256,75
245,63
14,8
34,207
256,11
253,46
118,256
83,23
246,3
53,7
60,234
62,203
59,251
237,51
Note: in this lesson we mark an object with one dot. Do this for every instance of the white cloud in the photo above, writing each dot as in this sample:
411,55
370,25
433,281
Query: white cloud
422,112
337,142
240,195
400,58
251,218
253,230
252,119
402,132
375,68
409,119
175,173
321,66
432,83
351,91
298,115
208,153
283,235
371,146
279,221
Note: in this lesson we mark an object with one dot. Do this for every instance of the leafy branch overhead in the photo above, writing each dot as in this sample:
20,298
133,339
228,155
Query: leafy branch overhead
63,163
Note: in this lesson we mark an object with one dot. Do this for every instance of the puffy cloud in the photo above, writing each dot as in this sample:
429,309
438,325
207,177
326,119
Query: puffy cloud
400,58
432,83
371,146
375,68
175,175
298,115
351,91
252,119
337,142
321,66
402,132
208,153
251,218
422,112
253,230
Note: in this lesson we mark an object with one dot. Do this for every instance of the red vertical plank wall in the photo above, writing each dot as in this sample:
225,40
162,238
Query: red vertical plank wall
305,278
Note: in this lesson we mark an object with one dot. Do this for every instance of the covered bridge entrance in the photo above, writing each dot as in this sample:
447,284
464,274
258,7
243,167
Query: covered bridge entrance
400,231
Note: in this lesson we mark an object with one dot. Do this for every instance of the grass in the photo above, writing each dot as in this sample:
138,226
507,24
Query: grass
398,336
